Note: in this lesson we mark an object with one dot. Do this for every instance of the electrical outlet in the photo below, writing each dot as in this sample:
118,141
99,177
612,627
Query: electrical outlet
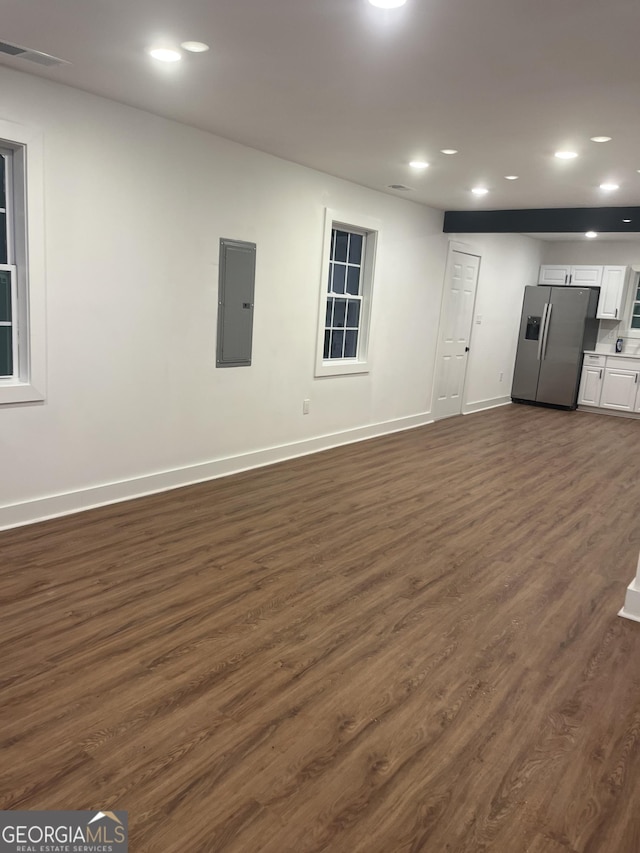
501,376
305,406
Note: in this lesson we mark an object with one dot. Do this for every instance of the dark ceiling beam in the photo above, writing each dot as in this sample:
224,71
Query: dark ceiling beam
549,220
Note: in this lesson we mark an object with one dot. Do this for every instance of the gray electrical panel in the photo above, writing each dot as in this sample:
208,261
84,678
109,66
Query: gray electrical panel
235,303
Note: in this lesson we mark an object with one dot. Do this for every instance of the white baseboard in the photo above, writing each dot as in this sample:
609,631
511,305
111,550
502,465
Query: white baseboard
481,405
53,506
626,615
597,410
631,609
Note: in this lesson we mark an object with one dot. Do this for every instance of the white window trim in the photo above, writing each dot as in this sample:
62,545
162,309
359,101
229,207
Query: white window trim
30,384
356,222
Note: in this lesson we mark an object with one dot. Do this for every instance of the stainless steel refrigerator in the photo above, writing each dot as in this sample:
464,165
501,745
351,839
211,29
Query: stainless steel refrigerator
557,325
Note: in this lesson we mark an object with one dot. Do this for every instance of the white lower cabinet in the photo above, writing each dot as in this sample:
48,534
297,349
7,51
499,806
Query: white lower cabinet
610,382
619,389
590,386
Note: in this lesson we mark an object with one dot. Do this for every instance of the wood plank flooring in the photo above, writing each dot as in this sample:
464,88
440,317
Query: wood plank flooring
409,644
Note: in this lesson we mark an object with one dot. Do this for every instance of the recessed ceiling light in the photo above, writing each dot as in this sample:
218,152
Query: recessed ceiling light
511,177
591,234
165,54
626,220
609,187
418,164
195,46
565,155
601,139
387,4
479,190
448,150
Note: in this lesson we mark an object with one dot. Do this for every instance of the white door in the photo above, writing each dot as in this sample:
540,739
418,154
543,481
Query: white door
461,279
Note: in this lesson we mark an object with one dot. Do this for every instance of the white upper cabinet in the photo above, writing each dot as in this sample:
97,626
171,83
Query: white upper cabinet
611,293
586,276
610,280
581,276
554,274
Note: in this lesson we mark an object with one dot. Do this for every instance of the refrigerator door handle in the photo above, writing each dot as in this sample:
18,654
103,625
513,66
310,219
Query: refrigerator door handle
542,330
545,331
541,333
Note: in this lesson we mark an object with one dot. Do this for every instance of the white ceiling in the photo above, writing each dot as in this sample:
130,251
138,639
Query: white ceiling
357,91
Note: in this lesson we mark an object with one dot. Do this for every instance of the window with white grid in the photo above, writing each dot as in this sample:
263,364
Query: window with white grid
347,281
22,265
8,300
344,294
634,324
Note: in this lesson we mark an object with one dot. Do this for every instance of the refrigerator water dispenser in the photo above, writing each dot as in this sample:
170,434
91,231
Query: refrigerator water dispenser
533,328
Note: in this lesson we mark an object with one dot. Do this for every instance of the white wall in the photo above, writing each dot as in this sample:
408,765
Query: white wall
592,252
135,207
509,263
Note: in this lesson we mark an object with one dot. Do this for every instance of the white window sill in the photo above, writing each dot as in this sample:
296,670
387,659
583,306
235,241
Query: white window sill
12,391
343,367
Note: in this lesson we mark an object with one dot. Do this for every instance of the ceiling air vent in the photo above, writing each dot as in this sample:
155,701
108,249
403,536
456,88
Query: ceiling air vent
400,187
30,55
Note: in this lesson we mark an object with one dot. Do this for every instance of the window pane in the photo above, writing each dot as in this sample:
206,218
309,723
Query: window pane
327,319
5,296
635,322
3,239
339,313
353,313
342,239
353,280
3,172
327,342
337,340
338,278
636,309
6,354
350,343
355,249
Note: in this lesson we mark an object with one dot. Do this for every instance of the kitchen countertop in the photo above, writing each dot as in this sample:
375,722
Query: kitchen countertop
613,353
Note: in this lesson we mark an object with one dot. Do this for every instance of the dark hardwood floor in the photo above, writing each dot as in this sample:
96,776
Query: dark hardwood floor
409,644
